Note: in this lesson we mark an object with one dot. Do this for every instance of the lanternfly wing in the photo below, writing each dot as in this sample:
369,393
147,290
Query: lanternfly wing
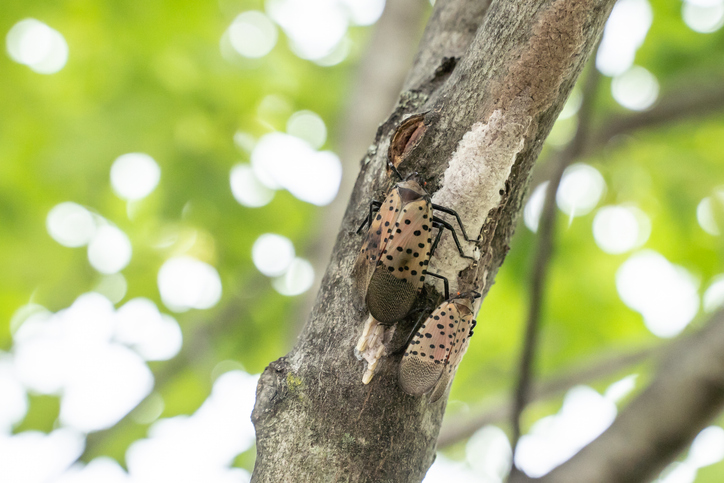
460,346
427,355
403,263
375,241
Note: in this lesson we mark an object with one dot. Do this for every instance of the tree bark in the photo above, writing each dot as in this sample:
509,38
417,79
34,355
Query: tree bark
486,115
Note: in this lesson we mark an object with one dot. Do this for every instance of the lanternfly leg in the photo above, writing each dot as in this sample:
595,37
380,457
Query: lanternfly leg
439,224
374,206
437,238
415,327
457,217
394,169
475,322
444,280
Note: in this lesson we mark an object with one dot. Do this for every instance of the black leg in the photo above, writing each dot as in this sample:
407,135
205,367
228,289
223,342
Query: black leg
447,225
394,169
457,217
475,322
437,238
415,328
374,206
444,280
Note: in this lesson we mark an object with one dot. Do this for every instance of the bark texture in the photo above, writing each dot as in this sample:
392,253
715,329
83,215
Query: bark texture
487,112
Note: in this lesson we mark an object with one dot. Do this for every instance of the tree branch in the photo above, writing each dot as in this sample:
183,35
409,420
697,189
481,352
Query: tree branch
463,427
485,122
686,394
695,100
546,231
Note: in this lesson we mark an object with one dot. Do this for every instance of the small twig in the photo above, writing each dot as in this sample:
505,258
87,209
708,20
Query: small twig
696,100
686,394
463,427
546,229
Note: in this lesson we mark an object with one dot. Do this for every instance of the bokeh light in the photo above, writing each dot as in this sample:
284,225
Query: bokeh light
489,454
618,229
113,287
581,188
710,211
298,278
149,410
134,176
663,293
636,89
444,470
585,414
35,44
109,251
70,353
706,449
563,131
621,388
155,336
35,457
624,33
714,294
13,399
272,254
247,189
338,54
200,447
572,105
308,126
105,382
99,470
70,224
534,207
187,283
678,472
252,34
364,12
314,28
283,161
703,16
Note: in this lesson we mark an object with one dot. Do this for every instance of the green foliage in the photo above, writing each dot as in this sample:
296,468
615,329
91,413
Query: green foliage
149,77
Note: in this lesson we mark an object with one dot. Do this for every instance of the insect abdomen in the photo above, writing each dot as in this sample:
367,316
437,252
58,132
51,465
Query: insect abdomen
417,377
389,298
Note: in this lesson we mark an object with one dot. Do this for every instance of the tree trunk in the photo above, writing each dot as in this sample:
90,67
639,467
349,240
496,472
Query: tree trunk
489,96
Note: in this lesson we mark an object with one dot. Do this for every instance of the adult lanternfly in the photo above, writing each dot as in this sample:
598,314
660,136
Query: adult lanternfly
437,347
392,263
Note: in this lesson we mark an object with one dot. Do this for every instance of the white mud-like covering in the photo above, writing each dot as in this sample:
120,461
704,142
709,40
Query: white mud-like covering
473,182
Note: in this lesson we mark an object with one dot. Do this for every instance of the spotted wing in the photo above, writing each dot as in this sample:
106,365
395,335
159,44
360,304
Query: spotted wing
375,241
425,358
401,270
461,340
408,250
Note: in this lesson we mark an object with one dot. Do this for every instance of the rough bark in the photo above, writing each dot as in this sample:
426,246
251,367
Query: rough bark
685,396
486,116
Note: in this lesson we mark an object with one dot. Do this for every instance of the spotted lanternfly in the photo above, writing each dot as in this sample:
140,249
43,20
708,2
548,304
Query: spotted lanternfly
392,264
437,347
